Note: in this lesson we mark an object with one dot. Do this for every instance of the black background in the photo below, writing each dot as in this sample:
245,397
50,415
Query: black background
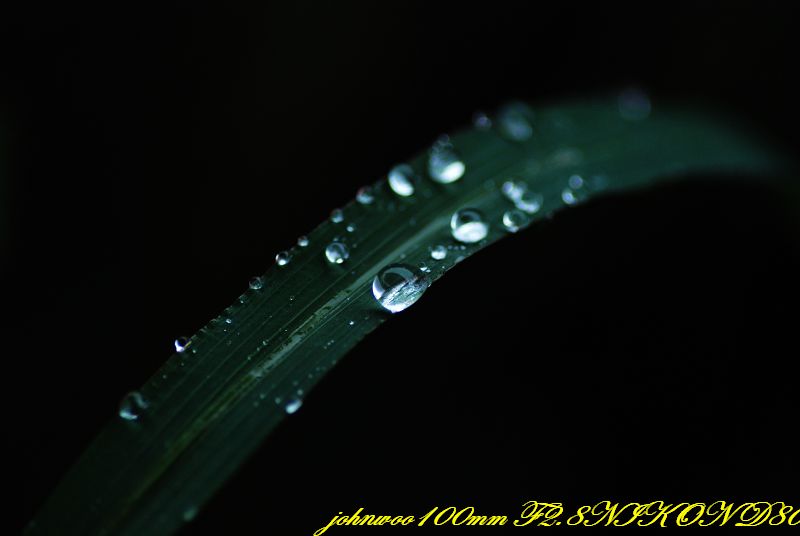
638,348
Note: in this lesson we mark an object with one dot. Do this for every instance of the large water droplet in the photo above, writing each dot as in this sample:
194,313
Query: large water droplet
513,121
515,219
365,195
337,216
575,192
634,105
336,253
132,406
282,258
469,226
293,405
398,286
402,180
303,241
256,283
444,162
180,344
438,252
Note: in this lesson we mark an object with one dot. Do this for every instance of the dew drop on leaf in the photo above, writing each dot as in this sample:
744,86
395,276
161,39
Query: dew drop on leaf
303,241
402,180
180,344
365,196
336,253
575,192
469,226
438,252
293,405
337,215
132,406
444,163
530,202
515,219
398,286
256,283
514,123
282,258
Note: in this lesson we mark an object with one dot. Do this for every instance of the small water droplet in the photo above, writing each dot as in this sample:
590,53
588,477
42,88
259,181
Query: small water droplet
515,219
634,104
398,286
469,226
365,196
352,322
337,216
530,202
180,344
444,162
481,121
190,513
351,227
336,253
293,405
438,252
575,192
132,406
256,283
513,121
229,320
282,258
303,241
402,180
424,268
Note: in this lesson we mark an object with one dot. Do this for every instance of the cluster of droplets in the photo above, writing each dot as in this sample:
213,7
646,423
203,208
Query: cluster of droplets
575,191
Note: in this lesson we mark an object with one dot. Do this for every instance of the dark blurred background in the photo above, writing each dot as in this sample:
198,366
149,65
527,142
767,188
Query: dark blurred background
638,348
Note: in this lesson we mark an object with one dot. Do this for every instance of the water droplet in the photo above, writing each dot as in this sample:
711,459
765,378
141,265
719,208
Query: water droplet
469,226
515,219
438,252
282,258
256,283
513,190
351,227
444,162
337,215
190,513
575,192
364,195
530,202
424,268
180,344
398,286
336,253
513,121
293,405
132,406
352,322
402,180
481,121
634,104
303,241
